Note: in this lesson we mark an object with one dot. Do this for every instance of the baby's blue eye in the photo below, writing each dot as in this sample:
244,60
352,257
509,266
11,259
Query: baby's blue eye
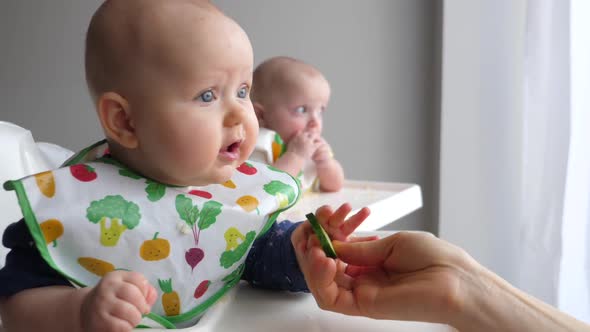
300,110
207,96
243,92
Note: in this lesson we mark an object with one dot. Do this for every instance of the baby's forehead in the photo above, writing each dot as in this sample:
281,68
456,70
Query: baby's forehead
170,22
298,76
137,26
144,15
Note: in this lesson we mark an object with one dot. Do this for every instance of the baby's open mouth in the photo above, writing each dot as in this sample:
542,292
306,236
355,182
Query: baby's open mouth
234,147
232,151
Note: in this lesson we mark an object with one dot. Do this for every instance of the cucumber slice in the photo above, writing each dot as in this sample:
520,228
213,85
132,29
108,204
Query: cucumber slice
325,241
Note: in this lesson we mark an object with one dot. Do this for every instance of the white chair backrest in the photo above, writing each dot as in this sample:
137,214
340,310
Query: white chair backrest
21,156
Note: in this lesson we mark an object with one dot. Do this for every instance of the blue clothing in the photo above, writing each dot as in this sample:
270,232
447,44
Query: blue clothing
271,263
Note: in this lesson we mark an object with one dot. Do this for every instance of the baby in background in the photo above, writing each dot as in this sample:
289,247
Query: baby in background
154,223
290,98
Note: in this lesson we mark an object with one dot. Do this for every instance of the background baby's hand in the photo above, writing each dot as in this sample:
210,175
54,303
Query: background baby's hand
335,223
117,302
305,144
323,152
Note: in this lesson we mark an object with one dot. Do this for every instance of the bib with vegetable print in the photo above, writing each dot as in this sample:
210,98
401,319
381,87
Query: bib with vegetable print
93,216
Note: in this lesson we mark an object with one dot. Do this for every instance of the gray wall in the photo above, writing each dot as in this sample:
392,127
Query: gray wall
42,84
381,57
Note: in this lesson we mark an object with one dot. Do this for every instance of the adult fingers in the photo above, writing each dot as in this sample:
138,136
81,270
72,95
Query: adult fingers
343,279
330,286
355,271
400,252
363,238
300,236
322,269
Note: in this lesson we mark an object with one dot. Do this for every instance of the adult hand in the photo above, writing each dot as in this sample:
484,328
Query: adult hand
415,276
407,276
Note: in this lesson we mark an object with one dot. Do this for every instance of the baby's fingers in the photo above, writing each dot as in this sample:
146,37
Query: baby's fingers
355,221
136,291
323,213
125,315
152,296
339,215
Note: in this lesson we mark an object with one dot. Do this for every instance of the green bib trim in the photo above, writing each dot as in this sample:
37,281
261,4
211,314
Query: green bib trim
82,154
35,229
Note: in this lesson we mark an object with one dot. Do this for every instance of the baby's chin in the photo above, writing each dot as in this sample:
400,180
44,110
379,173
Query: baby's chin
225,175
203,181
222,176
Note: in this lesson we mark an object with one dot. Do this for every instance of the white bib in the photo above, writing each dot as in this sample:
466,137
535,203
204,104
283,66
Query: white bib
90,218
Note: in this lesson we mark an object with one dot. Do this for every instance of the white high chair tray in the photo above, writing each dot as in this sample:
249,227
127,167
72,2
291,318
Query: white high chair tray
256,310
247,309
388,202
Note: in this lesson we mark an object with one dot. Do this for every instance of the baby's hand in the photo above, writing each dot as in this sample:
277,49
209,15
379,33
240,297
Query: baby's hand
335,224
323,152
319,270
117,302
304,144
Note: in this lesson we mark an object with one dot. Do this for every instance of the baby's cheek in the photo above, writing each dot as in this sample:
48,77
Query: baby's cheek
192,159
247,147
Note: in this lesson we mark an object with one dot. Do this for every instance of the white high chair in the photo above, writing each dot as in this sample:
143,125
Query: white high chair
22,156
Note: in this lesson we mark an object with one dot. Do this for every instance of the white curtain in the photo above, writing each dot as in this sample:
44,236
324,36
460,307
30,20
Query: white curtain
574,281
515,143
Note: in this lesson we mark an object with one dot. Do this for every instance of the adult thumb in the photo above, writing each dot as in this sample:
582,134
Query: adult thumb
365,253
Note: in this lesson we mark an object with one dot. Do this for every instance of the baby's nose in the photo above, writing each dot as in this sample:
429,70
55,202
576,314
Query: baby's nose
234,115
313,122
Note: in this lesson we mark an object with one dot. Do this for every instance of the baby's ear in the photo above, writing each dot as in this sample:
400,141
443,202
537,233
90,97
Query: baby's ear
116,121
259,110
